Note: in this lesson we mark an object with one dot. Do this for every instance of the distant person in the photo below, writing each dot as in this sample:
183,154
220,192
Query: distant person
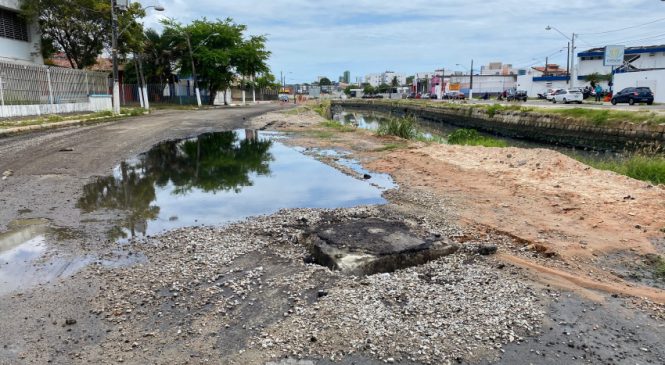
599,92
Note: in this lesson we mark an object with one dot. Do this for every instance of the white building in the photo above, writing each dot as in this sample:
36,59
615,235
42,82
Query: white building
387,77
19,41
497,68
635,59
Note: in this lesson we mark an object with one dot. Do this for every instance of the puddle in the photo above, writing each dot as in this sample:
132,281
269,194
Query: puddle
26,259
21,250
381,181
217,178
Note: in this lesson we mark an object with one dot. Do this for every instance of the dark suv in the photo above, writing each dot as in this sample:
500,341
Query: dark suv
632,95
516,95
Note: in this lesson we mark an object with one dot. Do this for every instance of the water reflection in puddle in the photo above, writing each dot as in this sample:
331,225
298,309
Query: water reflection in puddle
217,178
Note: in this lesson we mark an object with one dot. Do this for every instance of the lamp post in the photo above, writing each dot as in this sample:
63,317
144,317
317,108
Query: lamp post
572,71
114,50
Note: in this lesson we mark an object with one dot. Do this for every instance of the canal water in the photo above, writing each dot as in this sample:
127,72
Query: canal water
440,130
217,178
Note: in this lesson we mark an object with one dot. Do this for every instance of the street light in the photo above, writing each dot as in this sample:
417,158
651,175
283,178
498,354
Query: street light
114,51
573,73
191,58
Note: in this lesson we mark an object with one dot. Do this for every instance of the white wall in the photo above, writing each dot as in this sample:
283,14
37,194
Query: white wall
20,51
653,79
533,88
96,103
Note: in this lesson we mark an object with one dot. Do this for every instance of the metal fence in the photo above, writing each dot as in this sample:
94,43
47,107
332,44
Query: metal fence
32,84
183,94
179,94
261,95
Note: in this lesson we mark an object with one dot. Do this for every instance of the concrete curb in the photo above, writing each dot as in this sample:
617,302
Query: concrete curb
68,123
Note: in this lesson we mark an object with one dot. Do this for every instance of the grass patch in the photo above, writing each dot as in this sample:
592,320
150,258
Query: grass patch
640,167
657,264
338,126
605,116
295,111
400,127
471,137
132,112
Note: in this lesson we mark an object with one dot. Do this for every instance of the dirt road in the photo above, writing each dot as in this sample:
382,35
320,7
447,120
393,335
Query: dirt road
569,283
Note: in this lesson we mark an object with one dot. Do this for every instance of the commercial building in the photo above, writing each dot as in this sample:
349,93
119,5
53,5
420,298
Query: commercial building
20,41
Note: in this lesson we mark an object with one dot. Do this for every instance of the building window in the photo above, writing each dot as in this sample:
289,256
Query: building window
12,26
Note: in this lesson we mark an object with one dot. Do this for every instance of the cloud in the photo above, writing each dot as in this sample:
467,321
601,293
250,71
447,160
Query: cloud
319,37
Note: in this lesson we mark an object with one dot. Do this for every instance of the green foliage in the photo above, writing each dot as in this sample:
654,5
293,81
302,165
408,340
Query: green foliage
133,112
383,88
325,82
220,49
471,137
347,90
400,127
605,116
81,28
54,118
638,166
323,108
369,89
394,82
338,126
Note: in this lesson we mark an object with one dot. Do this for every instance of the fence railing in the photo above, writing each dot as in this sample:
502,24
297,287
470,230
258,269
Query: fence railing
33,84
183,94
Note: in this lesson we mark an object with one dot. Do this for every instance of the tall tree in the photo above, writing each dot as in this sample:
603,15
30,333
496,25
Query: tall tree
325,81
81,29
219,51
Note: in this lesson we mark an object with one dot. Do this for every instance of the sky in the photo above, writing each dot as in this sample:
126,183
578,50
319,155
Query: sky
311,38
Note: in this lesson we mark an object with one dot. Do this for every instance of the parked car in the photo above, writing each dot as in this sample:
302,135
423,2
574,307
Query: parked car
632,95
568,96
550,94
284,97
433,96
411,96
516,95
425,96
454,95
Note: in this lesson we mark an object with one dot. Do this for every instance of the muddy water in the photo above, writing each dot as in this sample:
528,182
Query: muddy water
217,178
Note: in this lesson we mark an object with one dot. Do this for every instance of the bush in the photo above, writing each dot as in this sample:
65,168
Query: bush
400,127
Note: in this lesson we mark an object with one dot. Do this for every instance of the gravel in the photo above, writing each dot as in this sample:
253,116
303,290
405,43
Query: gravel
245,290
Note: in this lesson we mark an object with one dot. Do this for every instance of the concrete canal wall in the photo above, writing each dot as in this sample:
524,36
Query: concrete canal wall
535,126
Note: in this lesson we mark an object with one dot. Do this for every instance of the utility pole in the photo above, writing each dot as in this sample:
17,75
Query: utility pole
191,57
471,82
568,65
146,102
573,73
546,62
114,53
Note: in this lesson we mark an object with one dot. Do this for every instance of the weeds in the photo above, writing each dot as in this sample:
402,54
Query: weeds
390,147
638,166
400,127
471,137
338,126
323,108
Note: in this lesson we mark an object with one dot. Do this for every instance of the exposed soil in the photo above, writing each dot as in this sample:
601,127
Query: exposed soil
570,282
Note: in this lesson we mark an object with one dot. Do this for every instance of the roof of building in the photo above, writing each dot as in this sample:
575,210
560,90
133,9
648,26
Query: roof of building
599,51
552,69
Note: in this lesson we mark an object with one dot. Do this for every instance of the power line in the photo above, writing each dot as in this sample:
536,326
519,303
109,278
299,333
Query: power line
630,27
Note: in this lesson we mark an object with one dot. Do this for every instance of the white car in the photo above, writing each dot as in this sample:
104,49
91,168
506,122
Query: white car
568,96
549,94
